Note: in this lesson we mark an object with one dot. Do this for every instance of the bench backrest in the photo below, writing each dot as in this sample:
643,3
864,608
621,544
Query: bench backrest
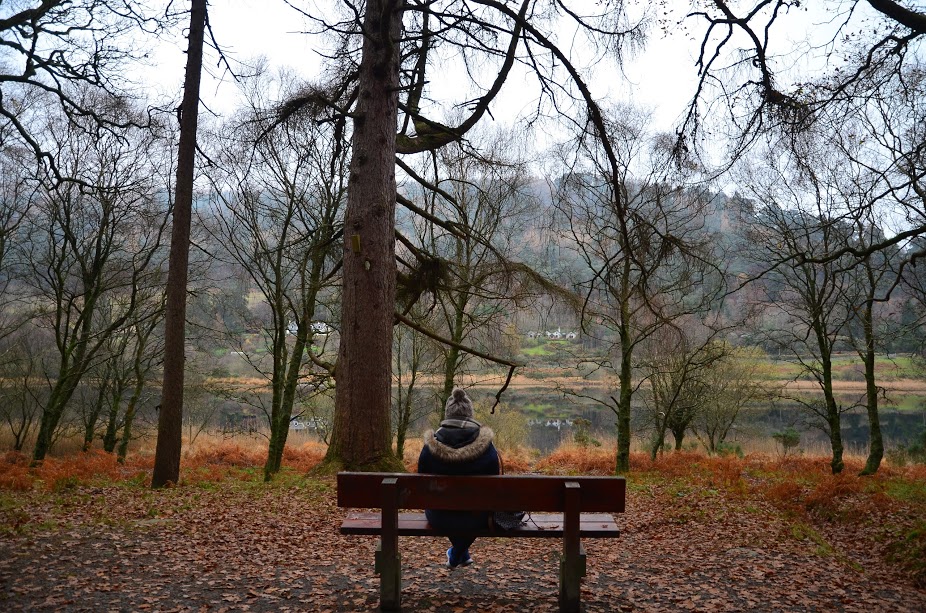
476,493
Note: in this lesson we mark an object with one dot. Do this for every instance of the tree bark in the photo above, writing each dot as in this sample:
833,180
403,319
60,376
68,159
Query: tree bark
94,416
626,372
283,407
876,444
112,420
833,418
453,352
361,436
130,416
170,418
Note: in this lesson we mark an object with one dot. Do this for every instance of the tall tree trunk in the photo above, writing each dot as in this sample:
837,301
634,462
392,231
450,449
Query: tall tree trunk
833,418
876,442
283,409
112,421
130,416
51,416
290,371
361,436
626,371
170,418
453,352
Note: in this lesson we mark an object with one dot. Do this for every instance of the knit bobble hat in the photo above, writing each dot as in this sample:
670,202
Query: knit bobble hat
459,406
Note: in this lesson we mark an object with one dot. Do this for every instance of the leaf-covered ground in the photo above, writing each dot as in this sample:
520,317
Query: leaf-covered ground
699,535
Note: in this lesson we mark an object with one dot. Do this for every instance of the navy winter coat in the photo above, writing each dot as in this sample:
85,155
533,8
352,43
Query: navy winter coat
459,447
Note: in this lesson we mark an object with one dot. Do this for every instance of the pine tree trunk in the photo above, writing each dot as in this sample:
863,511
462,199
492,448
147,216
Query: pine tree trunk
361,436
170,418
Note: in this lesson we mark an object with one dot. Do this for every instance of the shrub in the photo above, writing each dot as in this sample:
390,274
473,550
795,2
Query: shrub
582,436
784,494
730,449
826,499
303,458
914,454
517,460
788,440
226,454
510,426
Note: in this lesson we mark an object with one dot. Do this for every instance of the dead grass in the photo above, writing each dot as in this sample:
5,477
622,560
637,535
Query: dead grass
60,472
212,459
795,483
573,459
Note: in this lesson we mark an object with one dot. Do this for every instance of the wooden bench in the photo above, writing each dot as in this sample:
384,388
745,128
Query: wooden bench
582,506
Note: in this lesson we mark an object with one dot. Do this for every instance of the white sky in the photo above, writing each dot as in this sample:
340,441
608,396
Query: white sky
661,77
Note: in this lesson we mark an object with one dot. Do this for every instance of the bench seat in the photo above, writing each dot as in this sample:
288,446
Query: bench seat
565,507
541,525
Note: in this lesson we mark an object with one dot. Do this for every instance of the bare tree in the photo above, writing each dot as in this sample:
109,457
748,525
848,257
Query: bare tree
53,48
415,355
90,397
277,212
797,225
91,243
872,50
676,364
21,392
19,190
136,352
733,382
147,352
644,261
464,271
873,275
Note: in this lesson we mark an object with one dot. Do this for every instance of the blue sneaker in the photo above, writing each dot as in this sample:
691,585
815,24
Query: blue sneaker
452,561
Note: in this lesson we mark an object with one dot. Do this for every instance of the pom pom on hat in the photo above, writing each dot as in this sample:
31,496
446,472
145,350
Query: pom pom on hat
459,406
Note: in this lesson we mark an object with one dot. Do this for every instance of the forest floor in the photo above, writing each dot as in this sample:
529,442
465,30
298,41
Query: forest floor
705,534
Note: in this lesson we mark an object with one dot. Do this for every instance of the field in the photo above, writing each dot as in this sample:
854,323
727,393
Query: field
85,533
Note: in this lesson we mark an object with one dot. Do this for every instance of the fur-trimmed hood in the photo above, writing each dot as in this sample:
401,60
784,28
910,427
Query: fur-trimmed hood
467,453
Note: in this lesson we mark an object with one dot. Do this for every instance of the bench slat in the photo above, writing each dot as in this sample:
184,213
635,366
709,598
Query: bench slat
474,493
544,525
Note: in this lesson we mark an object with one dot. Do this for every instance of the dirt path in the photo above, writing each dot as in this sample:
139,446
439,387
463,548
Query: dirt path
210,549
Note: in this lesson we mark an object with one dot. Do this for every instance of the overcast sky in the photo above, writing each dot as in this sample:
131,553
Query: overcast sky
661,76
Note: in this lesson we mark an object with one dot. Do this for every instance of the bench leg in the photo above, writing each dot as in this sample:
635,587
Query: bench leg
572,562
388,561
571,571
389,569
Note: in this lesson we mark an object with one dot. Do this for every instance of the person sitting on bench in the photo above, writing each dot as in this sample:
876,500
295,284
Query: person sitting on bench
461,446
